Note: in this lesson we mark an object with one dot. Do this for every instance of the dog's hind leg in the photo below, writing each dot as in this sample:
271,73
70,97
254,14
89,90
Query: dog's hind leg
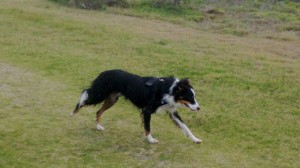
108,103
83,98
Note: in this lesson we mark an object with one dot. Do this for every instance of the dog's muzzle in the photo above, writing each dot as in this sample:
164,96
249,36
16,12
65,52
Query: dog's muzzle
193,107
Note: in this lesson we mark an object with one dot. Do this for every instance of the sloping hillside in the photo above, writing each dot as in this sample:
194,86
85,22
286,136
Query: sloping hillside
248,88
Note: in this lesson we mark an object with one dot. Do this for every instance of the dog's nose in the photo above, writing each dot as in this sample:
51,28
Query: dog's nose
198,108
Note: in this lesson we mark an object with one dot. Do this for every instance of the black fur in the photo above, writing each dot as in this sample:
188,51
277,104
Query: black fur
131,86
146,93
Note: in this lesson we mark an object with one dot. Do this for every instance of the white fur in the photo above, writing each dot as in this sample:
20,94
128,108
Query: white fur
84,96
163,108
186,130
171,107
169,99
99,127
173,85
151,139
193,92
195,106
171,104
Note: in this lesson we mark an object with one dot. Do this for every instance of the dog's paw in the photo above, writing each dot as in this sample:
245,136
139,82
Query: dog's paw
71,114
100,127
196,140
151,139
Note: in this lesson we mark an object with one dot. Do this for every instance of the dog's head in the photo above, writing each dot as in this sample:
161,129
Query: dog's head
184,94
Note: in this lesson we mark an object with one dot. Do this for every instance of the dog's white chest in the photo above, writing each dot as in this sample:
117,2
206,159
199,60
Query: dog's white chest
164,108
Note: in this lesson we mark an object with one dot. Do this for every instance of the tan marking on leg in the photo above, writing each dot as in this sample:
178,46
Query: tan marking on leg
108,103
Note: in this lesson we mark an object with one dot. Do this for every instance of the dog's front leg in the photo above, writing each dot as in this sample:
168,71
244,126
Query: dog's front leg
146,119
178,121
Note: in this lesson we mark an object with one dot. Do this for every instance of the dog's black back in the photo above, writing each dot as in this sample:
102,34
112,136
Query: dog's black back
150,94
131,86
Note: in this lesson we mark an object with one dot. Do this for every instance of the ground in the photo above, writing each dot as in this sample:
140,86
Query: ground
248,88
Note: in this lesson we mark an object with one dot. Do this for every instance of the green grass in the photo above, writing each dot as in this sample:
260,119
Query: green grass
240,18
166,11
248,88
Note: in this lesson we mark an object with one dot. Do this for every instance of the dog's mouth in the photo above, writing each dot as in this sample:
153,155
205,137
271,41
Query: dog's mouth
192,107
188,106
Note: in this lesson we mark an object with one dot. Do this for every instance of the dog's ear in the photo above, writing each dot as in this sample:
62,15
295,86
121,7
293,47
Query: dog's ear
184,84
189,82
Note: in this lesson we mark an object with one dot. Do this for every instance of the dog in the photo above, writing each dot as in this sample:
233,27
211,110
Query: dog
149,94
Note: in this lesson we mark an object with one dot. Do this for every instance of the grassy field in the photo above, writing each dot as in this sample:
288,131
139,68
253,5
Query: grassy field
248,88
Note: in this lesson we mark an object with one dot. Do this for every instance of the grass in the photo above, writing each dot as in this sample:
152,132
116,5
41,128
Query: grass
166,12
277,20
248,88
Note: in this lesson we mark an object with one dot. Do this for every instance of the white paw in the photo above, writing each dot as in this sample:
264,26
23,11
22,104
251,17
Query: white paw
100,127
71,114
196,140
153,141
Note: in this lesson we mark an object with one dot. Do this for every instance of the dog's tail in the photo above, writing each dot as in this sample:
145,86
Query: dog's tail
82,102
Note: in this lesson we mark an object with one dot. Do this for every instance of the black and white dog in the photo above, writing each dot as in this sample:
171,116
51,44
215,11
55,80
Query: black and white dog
149,94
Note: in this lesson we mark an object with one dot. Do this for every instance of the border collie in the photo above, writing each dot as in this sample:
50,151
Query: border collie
149,94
